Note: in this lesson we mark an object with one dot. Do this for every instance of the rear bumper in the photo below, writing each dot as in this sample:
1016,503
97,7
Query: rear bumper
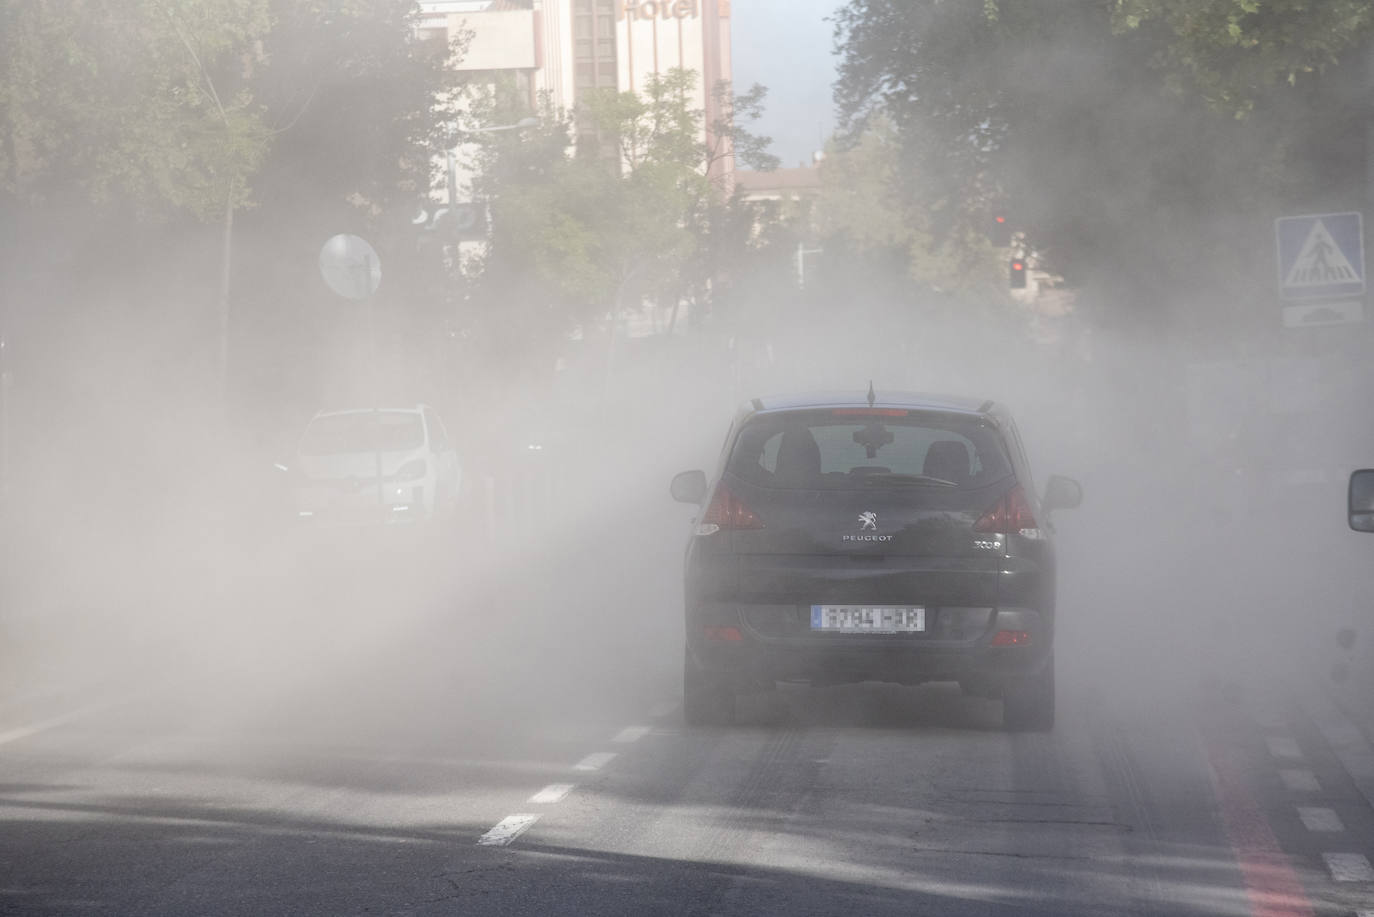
752,657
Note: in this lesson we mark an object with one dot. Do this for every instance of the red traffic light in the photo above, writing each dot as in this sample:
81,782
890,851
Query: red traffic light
999,231
1018,273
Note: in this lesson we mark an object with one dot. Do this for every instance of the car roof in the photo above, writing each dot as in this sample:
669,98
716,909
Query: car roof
887,398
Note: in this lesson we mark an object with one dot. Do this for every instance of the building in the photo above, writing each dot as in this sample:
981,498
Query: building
782,185
565,47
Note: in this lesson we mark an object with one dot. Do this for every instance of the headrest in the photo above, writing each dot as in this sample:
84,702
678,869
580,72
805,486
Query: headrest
948,460
799,458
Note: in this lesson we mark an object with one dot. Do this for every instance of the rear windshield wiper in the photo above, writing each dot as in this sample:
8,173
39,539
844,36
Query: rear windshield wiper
892,477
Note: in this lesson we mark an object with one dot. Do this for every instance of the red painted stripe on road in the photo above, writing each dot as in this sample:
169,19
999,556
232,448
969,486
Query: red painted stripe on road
1271,883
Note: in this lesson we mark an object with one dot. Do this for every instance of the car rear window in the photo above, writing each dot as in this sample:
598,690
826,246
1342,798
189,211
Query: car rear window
364,431
851,449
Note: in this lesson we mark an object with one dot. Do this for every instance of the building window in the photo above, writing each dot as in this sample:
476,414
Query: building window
594,61
594,29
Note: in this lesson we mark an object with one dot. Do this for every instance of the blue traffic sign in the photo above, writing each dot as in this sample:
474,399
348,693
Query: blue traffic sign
1320,255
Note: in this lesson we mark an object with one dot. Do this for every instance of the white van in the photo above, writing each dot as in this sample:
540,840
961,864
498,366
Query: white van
382,465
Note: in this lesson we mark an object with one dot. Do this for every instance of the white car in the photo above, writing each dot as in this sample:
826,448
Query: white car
340,456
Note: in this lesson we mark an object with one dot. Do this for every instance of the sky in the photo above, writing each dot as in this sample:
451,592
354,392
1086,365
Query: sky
786,45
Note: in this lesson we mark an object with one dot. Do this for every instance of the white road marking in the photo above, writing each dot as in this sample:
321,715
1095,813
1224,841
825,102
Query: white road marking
1301,781
595,761
1283,747
23,732
1364,914
507,830
1345,738
554,792
1349,867
1320,819
662,709
631,734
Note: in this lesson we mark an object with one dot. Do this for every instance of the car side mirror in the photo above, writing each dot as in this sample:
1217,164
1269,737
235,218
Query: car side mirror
1062,493
1361,500
689,487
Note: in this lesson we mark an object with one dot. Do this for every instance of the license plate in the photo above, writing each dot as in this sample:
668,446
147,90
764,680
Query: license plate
868,619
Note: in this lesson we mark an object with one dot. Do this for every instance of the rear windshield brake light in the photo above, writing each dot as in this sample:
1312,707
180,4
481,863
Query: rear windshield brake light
869,412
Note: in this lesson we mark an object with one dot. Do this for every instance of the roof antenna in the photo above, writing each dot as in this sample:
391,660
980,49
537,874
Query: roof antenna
871,397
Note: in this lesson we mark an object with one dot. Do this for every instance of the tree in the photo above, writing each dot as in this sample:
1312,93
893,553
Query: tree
127,131
119,101
357,106
1234,52
634,209
858,213
1108,130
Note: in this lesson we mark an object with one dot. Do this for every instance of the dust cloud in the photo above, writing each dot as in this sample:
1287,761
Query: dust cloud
146,555
151,546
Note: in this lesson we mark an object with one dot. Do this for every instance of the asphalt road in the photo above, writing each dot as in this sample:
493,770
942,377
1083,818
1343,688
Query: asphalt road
377,729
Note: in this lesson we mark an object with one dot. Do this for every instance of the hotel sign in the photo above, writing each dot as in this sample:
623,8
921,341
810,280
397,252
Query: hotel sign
636,10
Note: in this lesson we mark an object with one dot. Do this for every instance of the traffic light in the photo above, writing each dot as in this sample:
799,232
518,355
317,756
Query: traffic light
999,231
1018,273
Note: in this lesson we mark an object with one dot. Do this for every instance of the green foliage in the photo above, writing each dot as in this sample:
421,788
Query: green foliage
1231,51
858,213
139,100
177,164
357,106
638,212
1107,129
655,127
729,130
175,104
358,109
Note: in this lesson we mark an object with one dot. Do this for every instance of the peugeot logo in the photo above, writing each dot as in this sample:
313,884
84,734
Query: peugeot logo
868,522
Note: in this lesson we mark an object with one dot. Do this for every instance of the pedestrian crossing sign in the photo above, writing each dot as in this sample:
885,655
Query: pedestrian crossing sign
1320,256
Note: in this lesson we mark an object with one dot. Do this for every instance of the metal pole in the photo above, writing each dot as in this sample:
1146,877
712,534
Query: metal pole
373,381
802,252
5,378
1369,135
618,310
222,305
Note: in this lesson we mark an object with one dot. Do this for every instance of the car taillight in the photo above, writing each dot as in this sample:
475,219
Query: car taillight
725,512
1011,638
1010,516
723,634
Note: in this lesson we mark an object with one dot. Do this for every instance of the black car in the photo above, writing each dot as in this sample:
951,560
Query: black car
852,537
